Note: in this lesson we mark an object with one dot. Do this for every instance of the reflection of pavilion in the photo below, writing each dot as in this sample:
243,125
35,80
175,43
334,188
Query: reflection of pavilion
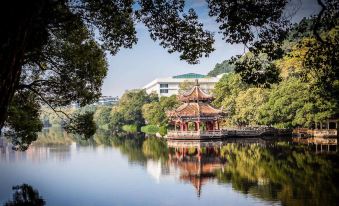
197,165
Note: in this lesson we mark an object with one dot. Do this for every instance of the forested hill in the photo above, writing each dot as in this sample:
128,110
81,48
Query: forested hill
223,67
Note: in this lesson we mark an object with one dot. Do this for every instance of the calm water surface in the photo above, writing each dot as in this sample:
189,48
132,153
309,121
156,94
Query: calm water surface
63,170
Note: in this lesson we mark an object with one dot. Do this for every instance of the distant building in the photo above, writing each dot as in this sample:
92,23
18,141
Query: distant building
107,100
170,85
103,100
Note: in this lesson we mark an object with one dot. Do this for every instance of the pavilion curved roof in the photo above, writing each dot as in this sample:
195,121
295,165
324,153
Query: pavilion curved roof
193,109
195,94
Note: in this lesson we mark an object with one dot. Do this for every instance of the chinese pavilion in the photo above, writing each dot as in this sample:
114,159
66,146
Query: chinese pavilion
195,117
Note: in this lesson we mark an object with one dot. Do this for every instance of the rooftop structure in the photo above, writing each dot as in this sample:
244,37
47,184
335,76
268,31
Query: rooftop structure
170,85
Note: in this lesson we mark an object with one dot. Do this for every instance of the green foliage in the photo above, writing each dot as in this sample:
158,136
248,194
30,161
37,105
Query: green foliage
82,124
150,129
155,112
305,95
23,121
226,91
224,67
102,116
176,30
162,130
291,104
247,105
129,109
257,70
130,128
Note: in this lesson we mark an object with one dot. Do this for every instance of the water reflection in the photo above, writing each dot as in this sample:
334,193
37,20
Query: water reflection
265,168
286,172
25,195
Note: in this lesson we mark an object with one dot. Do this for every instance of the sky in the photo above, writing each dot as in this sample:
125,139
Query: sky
147,60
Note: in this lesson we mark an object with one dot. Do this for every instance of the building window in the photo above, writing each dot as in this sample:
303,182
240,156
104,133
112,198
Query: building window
162,91
164,86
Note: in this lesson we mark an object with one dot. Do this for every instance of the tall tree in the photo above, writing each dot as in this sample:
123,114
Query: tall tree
129,109
291,104
155,112
49,47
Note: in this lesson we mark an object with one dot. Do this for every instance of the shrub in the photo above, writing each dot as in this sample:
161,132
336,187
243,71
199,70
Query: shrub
130,128
150,129
162,130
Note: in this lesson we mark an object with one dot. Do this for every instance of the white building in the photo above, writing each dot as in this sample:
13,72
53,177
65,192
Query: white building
107,100
170,85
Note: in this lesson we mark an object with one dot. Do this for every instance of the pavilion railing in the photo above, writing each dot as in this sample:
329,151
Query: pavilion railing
195,133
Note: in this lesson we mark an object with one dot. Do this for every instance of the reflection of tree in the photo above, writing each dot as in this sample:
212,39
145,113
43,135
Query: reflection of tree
154,148
54,136
25,195
292,175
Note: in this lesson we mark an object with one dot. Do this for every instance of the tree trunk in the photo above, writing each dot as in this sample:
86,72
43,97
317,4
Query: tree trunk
17,20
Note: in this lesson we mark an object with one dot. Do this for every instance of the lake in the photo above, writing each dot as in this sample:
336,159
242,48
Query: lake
61,169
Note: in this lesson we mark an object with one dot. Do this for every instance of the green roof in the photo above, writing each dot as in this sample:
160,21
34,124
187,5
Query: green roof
189,76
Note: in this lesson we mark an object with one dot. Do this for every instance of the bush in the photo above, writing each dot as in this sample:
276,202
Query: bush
130,128
163,130
150,129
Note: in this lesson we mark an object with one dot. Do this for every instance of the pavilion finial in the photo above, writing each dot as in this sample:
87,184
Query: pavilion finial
196,82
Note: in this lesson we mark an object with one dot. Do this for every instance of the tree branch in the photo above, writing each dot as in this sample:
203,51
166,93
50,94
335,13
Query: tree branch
46,102
317,22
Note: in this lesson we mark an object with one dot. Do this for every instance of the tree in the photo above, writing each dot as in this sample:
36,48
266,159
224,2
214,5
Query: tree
102,116
247,105
155,112
129,109
49,47
23,121
150,129
223,67
82,124
226,90
290,104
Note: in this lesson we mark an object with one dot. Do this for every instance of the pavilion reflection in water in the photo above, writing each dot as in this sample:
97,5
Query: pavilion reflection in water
199,161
